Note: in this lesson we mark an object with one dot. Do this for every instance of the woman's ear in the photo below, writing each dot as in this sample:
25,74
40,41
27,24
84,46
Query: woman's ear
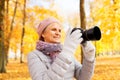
43,35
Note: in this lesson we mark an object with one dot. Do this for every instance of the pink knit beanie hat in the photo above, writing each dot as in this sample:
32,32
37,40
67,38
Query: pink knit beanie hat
43,24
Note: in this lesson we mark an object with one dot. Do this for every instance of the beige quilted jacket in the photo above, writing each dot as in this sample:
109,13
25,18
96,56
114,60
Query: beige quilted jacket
63,67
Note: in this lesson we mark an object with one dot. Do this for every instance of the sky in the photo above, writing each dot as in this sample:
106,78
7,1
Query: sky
68,6
65,6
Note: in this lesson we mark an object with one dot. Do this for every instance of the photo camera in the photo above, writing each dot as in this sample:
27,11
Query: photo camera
91,34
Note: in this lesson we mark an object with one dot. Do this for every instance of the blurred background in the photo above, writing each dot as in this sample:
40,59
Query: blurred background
19,20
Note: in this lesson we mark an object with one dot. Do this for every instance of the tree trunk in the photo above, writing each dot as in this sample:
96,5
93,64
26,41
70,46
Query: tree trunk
6,29
82,21
11,28
23,30
2,53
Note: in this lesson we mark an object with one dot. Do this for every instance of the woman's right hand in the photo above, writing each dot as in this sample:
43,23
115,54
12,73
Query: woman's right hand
72,40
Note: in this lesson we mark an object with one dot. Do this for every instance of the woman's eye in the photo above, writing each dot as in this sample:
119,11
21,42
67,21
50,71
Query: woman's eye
60,30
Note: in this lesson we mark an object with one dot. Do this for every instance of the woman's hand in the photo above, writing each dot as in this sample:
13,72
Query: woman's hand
72,40
89,50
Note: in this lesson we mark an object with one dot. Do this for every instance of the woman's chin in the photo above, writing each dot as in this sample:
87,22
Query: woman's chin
56,41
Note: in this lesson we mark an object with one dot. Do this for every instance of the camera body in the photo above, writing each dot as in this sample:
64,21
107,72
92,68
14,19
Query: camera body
92,34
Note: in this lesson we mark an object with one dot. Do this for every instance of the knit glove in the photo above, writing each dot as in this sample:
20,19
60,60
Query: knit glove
72,40
88,50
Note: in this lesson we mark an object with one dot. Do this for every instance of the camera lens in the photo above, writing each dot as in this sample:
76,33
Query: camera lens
92,34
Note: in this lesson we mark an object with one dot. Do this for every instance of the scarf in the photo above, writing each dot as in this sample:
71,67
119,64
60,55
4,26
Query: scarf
49,49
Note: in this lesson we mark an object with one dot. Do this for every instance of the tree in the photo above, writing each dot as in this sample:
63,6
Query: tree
6,30
23,30
2,53
82,21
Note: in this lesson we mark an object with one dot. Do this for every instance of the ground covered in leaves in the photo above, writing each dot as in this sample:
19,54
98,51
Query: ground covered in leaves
107,68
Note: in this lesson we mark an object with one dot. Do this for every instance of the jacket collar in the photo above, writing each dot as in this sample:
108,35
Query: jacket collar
42,56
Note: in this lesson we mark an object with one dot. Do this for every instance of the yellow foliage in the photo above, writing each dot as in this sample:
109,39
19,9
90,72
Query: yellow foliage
109,18
29,40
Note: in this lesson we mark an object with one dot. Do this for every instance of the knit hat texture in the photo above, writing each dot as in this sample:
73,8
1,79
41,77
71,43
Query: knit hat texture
43,25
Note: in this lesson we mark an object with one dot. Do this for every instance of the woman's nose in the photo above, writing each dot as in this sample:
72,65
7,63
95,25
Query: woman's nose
58,32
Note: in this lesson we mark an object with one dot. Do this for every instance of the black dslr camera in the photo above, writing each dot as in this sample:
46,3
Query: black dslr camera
90,34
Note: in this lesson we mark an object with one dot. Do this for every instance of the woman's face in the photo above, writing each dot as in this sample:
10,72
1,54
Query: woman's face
52,33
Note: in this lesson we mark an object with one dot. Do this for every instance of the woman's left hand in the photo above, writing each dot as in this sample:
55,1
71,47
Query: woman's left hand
89,50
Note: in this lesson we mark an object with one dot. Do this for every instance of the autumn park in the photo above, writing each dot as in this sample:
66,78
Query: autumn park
18,24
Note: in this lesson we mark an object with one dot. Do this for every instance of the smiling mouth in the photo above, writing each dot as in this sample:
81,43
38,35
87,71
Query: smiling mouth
56,36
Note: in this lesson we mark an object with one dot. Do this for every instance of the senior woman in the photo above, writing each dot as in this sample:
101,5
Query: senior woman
53,61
